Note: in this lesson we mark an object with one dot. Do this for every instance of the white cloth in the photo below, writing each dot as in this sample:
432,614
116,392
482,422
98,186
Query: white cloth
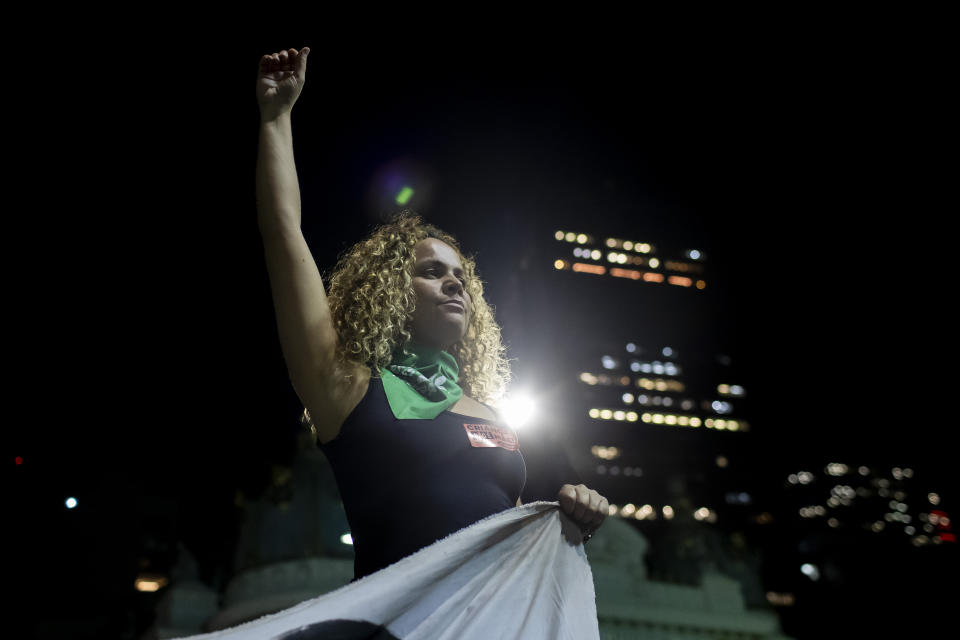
521,573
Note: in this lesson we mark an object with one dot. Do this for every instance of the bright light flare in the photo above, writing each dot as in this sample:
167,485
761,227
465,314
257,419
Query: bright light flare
518,410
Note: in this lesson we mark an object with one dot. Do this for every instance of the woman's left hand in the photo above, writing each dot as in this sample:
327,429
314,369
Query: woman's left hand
584,506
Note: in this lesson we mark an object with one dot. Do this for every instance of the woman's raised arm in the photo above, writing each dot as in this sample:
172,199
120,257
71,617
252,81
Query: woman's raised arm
307,336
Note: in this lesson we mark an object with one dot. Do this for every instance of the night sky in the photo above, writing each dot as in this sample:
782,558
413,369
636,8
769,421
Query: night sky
146,355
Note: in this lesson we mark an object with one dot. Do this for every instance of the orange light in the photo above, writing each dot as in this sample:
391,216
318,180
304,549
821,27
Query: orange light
150,583
701,284
680,281
589,268
617,272
653,277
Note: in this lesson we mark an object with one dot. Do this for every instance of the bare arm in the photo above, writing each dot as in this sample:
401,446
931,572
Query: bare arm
304,323
278,192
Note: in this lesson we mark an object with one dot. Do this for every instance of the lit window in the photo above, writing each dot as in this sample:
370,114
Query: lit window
595,269
616,272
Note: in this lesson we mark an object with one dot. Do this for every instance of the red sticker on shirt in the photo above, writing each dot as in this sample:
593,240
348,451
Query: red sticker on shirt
488,435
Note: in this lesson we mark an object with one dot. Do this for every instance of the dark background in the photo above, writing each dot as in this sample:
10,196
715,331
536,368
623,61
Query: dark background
812,166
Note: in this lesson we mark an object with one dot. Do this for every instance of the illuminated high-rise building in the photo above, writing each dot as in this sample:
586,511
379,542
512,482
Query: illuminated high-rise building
634,377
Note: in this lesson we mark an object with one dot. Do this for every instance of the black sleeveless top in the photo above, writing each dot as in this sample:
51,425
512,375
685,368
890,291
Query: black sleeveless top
406,483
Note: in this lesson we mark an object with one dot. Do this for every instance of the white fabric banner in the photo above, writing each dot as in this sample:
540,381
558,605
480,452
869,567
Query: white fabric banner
521,573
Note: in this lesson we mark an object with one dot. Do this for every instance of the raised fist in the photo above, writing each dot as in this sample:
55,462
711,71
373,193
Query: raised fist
280,79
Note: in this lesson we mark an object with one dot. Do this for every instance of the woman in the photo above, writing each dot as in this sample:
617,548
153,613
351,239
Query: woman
393,363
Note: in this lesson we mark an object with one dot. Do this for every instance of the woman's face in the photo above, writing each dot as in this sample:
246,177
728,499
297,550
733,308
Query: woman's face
438,279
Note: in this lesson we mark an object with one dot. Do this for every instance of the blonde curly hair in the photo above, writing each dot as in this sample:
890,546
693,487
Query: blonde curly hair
371,300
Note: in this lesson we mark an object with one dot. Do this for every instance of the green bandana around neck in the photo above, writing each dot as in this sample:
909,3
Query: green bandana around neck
422,384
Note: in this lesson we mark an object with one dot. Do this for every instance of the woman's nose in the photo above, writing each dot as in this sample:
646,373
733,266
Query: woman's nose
453,285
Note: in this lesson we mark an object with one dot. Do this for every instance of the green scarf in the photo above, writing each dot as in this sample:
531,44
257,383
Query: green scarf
421,384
